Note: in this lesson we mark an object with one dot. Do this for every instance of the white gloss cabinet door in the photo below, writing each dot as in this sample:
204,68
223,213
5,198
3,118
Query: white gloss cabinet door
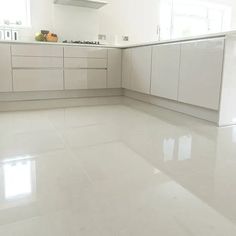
85,52
26,80
141,72
201,73
165,71
126,68
5,68
114,68
37,50
85,79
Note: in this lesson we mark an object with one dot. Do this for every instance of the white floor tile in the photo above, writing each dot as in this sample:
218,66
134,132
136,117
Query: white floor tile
116,171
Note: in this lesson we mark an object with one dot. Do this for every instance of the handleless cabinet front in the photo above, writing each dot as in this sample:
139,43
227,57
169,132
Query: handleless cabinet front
141,69
85,52
85,68
28,50
85,63
114,68
37,80
165,71
201,73
37,68
5,68
126,68
85,79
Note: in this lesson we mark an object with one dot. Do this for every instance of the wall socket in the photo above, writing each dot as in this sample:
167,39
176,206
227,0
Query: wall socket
102,37
125,38
9,34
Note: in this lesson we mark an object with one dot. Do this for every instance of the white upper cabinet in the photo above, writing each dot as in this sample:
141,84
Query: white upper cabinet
201,73
126,68
165,71
114,68
5,68
141,72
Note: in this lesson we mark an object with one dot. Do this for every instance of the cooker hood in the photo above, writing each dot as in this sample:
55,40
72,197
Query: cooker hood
96,4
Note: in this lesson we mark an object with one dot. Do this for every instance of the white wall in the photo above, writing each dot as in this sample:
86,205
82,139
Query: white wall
136,18
71,23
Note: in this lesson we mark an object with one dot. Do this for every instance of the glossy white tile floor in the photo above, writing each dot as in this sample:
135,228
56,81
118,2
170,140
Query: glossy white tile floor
115,171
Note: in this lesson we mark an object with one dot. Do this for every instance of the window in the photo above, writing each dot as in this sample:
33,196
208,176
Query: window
182,18
14,13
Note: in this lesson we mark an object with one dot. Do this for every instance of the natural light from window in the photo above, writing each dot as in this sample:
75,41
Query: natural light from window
14,13
17,179
183,18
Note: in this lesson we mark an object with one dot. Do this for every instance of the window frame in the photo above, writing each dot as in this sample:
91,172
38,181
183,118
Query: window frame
5,23
223,8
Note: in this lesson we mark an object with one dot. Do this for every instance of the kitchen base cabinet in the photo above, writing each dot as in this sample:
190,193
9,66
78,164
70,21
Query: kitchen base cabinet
85,79
126,68
37,62
75,79
85,63
165,71
37,80
201,73
5,68
85,52
136,69
97,79
36,50
114,68
141,69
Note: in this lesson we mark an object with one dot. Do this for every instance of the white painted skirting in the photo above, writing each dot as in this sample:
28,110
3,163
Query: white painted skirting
58,103
63,99
45,95
198,112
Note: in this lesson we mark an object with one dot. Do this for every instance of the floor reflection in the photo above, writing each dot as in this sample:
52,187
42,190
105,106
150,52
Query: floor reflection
18,181
168,149
185,148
